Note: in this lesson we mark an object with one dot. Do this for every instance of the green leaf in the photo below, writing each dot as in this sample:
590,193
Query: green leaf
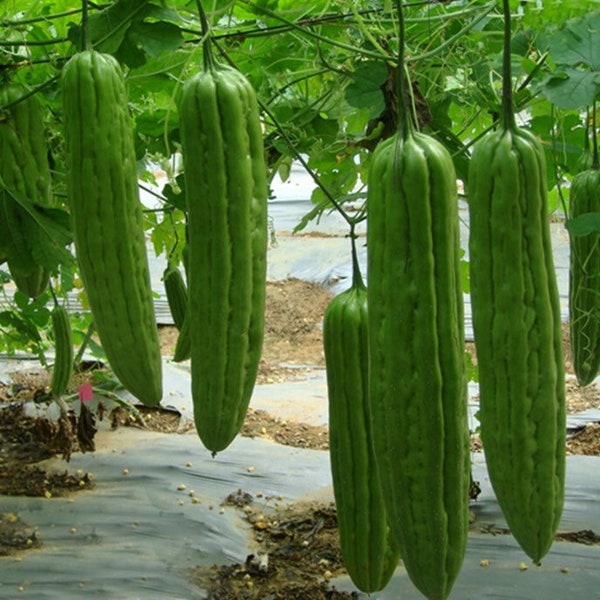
40,317
104,380
575,49
45,232
562,135
553,12
21,299
121,30
264,4
155,38
5,318
168,233
365,89
314,213
27,329
585,224
571,88
578,42
175,195
96,350
521,43
472,370
165,13
160,68
49,236
107,28
129,53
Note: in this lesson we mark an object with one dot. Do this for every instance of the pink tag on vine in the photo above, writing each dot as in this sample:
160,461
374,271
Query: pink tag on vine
86,393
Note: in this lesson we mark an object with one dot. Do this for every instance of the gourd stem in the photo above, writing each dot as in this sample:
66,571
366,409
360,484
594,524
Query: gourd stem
85,38
170,260
586,137
357,280
209,61
507,114
595,158
53,294
84,344
404,122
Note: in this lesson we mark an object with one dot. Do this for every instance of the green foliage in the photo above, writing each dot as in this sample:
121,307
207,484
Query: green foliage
584,224
552,13
47,233
132,30
575,49
364,91
323,72
21,324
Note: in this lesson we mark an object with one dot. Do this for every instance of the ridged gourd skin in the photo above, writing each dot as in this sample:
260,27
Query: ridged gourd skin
63,350
584,280
366,545
23,147
183,346
28,276
32,283
416,341
225,177
517,327
107,220
177,295
25,171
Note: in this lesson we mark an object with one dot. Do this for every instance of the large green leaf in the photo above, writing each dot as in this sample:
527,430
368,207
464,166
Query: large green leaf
578,42
176,197
155,38
534,13
46,231
107,28
585,224
575,48
123,30
571,88
364,91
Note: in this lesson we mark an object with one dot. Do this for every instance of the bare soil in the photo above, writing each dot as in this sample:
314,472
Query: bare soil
296,554
297,549
293,341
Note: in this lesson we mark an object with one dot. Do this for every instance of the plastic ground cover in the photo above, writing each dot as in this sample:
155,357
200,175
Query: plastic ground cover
136,534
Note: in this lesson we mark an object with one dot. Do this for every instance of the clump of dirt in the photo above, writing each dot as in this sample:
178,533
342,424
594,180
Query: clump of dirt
16,535
34,480
259,423
584,536
31,439
585,441
580,398
25,441
296,554
161,420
